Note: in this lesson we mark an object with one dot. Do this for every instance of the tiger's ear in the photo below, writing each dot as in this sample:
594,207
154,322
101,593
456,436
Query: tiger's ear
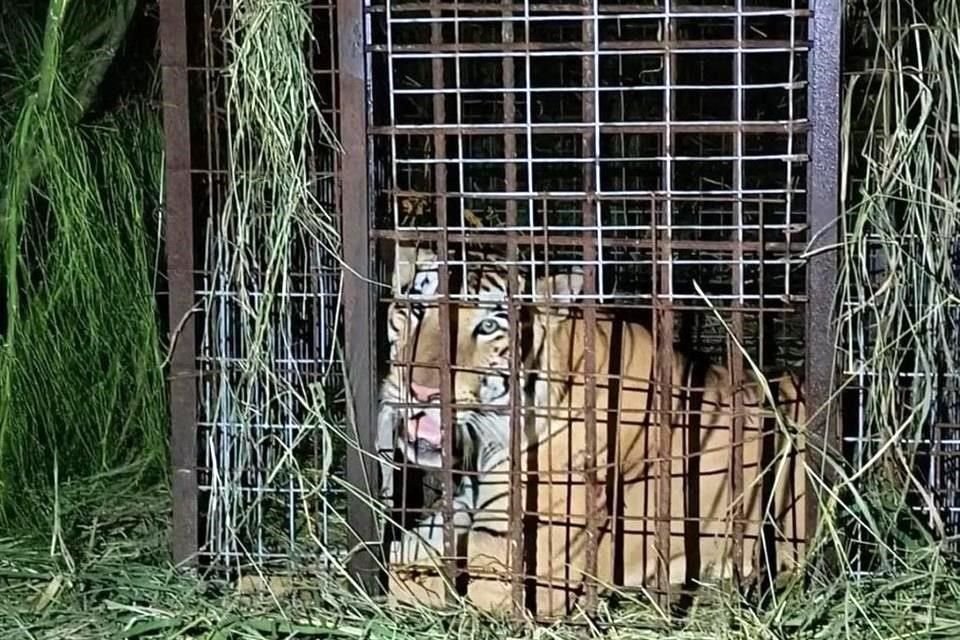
415,268
561,288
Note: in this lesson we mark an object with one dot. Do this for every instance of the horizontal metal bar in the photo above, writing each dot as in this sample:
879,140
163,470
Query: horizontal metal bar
425,51
579,53
487,237
576,90
555,160
613,194
726,197
558,12
797,126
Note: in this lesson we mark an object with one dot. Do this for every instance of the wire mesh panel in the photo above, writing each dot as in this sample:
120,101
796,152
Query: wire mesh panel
899,349
593,215
264,298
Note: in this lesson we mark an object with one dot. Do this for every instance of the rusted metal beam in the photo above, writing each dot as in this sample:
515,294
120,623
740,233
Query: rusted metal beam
823,186
178,235
589,143
359,307
521,550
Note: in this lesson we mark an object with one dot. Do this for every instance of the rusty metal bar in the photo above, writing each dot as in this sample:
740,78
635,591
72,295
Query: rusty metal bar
758,126
624,306
516,516
737,484
572,48
448,341
824,198
735,357
613,9
359,307
180,270
490,237
590,144
664,338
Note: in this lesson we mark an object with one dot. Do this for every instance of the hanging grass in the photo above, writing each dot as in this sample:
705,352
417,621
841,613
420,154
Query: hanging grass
898,279
81,386
271,227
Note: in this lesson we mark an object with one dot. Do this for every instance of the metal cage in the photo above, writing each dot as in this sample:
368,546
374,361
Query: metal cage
681,156
667,151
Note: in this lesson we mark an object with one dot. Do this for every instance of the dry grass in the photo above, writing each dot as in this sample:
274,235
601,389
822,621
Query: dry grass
106,576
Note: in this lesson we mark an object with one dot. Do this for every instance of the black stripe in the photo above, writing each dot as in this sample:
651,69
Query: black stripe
496,533
484,505
461,582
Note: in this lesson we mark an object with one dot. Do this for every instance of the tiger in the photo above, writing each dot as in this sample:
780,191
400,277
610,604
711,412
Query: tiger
421,455
553,452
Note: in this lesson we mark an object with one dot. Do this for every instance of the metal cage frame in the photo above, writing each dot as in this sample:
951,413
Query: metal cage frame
357,201
822,210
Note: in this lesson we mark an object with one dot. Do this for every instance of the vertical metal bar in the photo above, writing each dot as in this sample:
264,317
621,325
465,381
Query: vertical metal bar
325,312
735,357
737,436
405,362
663,335
516,426
664,378
358,297
823,205
180,272
448,341
591,229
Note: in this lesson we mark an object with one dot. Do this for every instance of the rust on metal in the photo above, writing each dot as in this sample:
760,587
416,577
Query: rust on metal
519,546
180,277
734,356
663,340
663,386
768,126
737,435
612,10
643,46
358,298
824,202
589,211
480,237
560,146
447,321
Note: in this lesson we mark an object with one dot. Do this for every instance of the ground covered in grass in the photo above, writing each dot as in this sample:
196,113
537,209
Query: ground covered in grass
103,572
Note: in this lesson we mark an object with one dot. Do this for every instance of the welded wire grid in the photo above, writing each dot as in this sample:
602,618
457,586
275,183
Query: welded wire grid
866,430
867,366
652,144
263,495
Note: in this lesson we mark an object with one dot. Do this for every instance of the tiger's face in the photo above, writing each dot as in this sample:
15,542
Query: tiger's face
479,369
480,355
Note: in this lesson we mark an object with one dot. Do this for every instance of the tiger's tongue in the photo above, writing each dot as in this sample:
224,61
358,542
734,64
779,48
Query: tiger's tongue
425,427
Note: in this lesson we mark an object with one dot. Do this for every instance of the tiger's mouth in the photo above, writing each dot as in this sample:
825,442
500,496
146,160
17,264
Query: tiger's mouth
424,431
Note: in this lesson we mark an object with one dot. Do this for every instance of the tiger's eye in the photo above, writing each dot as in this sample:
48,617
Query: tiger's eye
488,326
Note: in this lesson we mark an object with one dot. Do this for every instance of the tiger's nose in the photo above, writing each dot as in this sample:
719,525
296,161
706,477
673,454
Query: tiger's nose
424,393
